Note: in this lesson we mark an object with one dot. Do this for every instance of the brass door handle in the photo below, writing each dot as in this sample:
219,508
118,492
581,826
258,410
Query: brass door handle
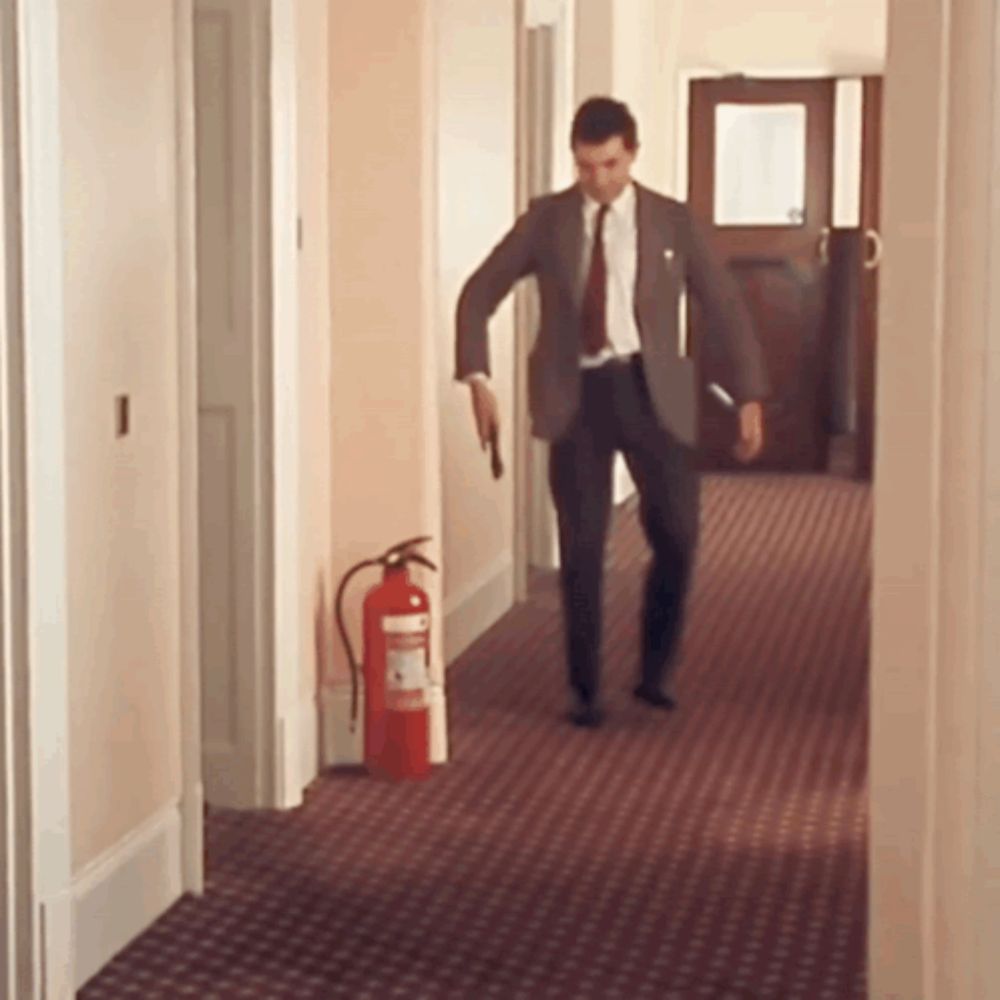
872,237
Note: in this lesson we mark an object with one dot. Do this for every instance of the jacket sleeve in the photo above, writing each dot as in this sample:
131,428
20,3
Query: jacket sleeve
511,259
727,319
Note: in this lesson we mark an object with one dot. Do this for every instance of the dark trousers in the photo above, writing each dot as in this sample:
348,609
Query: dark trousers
616,415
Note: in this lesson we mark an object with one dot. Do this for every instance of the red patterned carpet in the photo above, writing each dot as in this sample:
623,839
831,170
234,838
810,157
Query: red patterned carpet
717,852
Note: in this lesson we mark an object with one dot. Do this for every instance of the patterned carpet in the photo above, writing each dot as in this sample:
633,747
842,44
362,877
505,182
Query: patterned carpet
717,852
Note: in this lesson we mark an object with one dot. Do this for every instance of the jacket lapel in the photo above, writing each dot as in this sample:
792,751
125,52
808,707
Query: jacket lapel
648,251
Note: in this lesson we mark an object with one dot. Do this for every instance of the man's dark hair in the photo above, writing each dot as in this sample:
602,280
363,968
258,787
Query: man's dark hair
599,119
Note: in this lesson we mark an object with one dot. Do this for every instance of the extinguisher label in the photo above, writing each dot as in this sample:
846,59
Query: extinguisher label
405,623
406,661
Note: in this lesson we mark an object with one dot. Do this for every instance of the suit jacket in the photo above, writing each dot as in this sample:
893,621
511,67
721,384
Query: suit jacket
673,251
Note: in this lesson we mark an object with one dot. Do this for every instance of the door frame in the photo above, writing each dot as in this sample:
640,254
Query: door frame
535,535
19,896
35,682
278,659
192,787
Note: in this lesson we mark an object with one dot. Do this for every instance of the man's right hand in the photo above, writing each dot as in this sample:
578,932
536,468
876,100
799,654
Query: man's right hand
485,411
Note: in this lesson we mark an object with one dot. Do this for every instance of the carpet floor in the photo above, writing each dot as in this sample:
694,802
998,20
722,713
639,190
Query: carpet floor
715,852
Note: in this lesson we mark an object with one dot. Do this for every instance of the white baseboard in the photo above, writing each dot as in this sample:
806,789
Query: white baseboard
308,740
118,895
439,726
57,947
342,748
193,838
472,611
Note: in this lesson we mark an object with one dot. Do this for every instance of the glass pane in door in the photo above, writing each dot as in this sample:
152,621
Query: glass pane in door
760,164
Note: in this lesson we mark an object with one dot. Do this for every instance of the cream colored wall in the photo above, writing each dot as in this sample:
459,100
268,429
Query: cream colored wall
838,36
645,52
384,380
594,73
118,121
314,336
476,170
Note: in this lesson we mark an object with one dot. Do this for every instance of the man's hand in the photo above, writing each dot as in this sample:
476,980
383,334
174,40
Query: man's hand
751,441
486,412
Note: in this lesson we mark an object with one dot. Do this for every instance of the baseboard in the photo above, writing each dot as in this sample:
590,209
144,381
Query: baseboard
342,748
439,726
193,839
118,895
308,740
470,613
56,938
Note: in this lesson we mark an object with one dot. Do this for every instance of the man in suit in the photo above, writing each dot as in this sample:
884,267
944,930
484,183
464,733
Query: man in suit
606,374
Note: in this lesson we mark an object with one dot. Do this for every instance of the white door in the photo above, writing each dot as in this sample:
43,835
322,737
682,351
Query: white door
232,212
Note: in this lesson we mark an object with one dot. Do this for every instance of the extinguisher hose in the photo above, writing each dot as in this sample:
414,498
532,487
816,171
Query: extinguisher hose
346,639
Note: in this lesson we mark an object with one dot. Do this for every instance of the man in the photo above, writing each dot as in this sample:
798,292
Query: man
606,374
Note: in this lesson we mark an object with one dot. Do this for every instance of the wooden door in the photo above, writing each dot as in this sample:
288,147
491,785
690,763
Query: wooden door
867,328
761,165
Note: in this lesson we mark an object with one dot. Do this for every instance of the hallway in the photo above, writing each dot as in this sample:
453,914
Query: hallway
718,852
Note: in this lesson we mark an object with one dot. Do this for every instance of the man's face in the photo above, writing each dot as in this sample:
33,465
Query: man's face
604,170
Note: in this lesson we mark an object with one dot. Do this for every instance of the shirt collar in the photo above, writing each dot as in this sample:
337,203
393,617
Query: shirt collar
622,206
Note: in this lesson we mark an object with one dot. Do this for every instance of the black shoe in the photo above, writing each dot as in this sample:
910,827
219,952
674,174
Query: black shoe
655,697
586,714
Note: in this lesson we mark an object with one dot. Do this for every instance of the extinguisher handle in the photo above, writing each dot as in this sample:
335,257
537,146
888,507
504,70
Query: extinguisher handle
418,558
404,546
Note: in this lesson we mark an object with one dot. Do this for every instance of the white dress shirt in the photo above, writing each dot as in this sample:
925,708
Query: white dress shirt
621,253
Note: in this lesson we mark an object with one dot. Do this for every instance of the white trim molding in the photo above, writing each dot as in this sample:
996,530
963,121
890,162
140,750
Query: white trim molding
43,335
122,892
340,747
18,958
986,856
286,439
189,603
309,751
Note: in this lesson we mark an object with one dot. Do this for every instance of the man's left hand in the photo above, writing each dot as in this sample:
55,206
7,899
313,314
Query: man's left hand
751,441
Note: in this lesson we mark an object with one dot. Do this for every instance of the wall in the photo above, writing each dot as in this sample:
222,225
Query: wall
386,463
314,357
934,898
844,37
476,174
644,48
118,121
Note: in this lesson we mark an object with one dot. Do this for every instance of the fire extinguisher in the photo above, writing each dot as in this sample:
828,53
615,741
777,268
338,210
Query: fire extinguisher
396,658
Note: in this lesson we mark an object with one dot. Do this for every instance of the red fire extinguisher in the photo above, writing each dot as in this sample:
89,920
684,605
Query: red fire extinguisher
396,658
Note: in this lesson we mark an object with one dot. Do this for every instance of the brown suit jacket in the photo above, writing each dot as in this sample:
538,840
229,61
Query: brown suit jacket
547,241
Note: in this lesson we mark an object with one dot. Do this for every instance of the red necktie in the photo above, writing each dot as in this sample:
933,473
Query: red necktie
594,332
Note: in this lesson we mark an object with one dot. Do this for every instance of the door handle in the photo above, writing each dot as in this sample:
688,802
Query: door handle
872,237
823,248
